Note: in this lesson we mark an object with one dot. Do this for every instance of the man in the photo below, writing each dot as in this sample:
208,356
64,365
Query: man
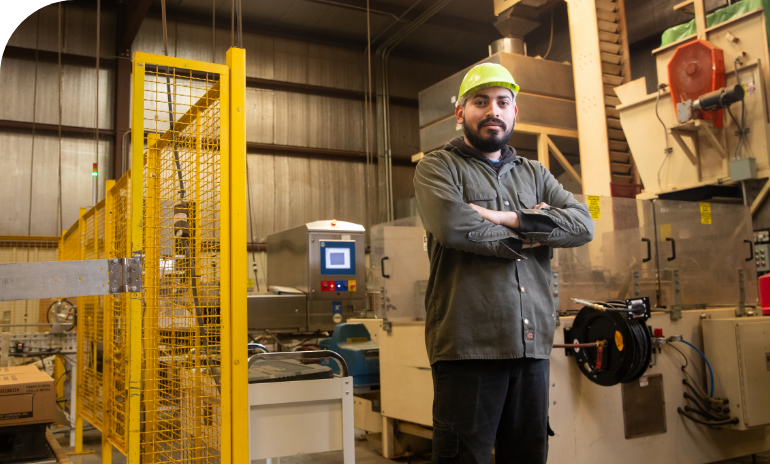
491,217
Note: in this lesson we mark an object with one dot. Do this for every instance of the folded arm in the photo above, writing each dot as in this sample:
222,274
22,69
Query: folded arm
454,223
566,223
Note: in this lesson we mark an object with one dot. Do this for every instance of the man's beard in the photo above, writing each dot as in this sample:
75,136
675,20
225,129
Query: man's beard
493,142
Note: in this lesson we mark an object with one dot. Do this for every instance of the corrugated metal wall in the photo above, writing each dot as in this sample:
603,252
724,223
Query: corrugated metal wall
32,87
288,188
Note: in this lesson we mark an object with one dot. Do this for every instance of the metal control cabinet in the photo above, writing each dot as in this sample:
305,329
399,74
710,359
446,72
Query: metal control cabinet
739,352
325,261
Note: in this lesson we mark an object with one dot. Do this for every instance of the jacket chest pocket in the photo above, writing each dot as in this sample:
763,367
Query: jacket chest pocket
473,193
527,200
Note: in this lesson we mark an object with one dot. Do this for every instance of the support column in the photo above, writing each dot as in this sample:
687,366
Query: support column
589,97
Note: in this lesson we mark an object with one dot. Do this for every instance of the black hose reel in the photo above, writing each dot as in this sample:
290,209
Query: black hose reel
624,341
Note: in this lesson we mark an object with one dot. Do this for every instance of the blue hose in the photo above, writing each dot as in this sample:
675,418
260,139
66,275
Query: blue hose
707,365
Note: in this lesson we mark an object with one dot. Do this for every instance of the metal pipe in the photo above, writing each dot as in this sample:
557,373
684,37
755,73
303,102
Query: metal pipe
125,158
384,141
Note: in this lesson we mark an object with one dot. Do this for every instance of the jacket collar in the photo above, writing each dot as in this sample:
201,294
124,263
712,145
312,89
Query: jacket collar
508,155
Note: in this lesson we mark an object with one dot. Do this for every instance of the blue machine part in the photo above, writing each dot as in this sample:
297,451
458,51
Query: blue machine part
354,343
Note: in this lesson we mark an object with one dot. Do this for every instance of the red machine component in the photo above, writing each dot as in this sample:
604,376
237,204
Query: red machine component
697,68
658,333
764,294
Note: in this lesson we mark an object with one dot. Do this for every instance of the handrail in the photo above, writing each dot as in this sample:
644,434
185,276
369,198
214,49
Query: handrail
320,354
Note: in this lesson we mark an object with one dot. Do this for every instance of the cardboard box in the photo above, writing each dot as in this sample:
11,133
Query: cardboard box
27,396
19,369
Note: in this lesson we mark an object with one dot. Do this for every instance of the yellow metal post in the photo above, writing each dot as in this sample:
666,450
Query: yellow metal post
135,302
225,253
80,347
151,282
236,61
109,253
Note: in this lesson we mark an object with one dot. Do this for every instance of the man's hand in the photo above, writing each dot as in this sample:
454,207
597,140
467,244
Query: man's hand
503,218
506,218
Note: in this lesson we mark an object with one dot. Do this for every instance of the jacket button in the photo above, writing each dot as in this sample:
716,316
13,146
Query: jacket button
506,203
522,290
526,321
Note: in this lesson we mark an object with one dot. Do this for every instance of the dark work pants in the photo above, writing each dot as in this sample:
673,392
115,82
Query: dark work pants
479,404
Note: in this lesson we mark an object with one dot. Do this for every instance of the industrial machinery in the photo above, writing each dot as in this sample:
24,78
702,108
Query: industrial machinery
316,274
692,138
697,68
654,267
353,342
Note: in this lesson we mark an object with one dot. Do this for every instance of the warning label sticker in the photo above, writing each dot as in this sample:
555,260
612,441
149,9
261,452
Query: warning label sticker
705,213
594,206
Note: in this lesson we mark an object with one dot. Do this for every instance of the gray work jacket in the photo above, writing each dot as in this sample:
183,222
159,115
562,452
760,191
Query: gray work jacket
485,300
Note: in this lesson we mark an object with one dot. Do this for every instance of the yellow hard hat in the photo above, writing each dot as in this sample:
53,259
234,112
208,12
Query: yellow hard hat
486,75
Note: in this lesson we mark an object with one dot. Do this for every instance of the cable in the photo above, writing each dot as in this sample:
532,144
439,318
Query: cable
96,132
742,131
706,414
730,422
668,149
711,373
34,120
59,46
686,361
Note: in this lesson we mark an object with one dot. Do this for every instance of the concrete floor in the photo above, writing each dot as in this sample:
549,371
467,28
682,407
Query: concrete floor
365,454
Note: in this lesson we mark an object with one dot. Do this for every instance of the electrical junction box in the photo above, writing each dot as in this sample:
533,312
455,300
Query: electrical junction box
743,169
739,352
762,256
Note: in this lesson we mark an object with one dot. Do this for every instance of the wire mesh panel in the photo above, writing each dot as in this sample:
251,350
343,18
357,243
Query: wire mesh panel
116,319
25,250
70,243
90,353
185,242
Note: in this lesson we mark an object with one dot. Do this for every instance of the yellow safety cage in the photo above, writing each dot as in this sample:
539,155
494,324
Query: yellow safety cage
162,372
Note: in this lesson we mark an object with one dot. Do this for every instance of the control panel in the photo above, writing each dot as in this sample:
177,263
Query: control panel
762,250
338,285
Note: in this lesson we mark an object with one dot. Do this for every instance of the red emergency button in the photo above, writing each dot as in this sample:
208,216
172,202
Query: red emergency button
327,285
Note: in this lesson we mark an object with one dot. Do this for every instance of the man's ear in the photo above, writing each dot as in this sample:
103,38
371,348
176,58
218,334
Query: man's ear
459,113
515,111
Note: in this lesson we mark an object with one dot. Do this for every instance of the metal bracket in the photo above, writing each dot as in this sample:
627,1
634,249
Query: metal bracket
637,290
740,311
387,326
125,274
676,312
555,296
62,279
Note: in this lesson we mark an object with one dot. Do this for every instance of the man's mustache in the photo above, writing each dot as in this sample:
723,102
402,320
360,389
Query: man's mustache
494,120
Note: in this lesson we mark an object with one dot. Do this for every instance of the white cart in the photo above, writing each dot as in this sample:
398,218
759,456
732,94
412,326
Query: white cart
303,416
